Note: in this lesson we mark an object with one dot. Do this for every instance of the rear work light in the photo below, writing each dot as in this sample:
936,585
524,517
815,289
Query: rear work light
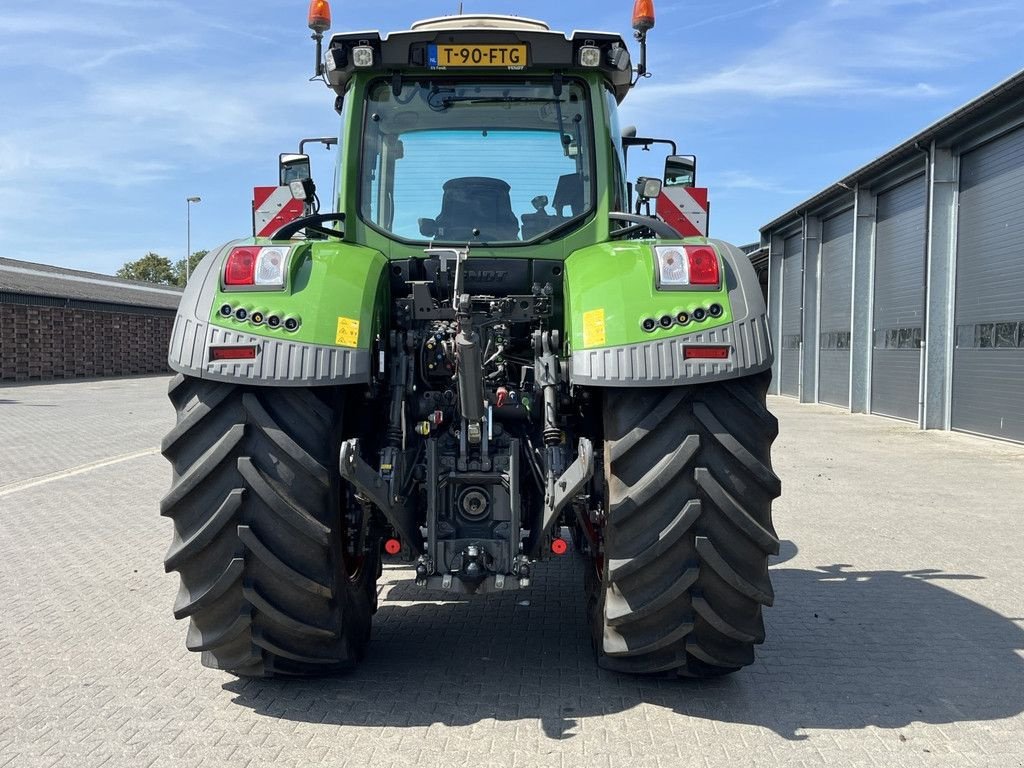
590,56
686,266
254,267
705,353
233,353
362,56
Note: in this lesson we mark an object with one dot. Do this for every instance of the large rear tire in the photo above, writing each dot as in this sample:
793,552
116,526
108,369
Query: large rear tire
684,572
257,505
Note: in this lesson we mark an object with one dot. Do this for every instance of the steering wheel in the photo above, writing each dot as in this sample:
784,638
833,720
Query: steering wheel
641,223
311,224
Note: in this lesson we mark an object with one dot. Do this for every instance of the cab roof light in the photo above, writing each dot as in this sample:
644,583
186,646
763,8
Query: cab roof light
643,15
590,55
362,56
319,16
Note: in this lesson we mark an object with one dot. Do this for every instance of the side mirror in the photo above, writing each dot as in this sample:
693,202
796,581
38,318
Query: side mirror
293,168
681,171
648,187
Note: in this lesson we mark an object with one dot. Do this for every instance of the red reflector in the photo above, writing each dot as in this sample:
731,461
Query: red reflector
706,353
703,265
240,268
233,353
559,546
392,546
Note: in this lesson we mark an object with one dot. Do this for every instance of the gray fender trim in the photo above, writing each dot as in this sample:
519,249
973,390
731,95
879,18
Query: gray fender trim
278,362
660,362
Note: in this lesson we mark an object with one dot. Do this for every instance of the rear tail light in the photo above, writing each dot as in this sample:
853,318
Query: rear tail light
240,268
705,353
686,266
270,266
233,353
703,265
256,267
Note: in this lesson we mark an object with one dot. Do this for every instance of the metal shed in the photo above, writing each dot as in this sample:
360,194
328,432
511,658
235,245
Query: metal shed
899,290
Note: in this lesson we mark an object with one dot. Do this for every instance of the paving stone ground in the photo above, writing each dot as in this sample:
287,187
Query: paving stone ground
897,637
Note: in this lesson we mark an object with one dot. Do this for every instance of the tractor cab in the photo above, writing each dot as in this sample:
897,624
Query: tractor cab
484,130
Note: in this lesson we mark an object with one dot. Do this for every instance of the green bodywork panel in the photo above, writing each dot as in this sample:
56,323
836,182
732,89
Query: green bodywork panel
327,281
610,289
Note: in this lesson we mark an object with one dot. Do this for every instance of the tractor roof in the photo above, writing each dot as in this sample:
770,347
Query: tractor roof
422,50
480,21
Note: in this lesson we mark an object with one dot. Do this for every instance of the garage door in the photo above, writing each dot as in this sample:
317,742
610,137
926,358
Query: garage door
836,287
899,301
792,315
988,362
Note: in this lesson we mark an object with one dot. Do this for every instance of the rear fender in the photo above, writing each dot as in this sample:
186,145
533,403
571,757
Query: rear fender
611,291
336,292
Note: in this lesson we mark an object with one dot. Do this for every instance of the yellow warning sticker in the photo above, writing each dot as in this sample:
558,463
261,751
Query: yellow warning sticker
348,332
593,328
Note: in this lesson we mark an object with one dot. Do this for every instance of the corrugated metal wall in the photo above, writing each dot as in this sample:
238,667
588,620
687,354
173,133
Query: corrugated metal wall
988,360
792,316
899,290
836,298
910,272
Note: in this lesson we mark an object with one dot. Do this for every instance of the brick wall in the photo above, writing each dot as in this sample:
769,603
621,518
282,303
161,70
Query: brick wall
43,342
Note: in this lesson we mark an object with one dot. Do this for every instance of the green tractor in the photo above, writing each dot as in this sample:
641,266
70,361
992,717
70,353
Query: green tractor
457,371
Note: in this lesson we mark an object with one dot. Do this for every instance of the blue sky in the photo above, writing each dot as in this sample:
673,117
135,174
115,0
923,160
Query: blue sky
116,110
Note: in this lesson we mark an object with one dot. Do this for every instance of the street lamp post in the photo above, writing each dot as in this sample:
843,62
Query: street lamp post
188,232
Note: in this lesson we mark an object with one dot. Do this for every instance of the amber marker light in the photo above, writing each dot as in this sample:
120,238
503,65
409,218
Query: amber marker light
320,16
643,15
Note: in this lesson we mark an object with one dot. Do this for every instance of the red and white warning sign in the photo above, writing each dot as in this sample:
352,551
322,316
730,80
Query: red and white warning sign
685,209
272,208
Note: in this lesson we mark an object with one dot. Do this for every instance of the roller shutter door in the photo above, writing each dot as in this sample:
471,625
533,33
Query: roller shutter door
899,301
792,315
836,289
988,361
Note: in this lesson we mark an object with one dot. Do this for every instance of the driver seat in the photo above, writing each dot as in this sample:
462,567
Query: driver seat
476,202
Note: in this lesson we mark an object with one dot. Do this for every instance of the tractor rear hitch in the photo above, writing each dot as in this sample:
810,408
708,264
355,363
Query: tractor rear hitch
370,484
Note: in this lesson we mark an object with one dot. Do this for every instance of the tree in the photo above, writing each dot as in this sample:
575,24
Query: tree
179,267
151,268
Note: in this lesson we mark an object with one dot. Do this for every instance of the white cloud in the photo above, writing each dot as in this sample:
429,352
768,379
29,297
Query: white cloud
703,21
892,49
131,101
730,180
